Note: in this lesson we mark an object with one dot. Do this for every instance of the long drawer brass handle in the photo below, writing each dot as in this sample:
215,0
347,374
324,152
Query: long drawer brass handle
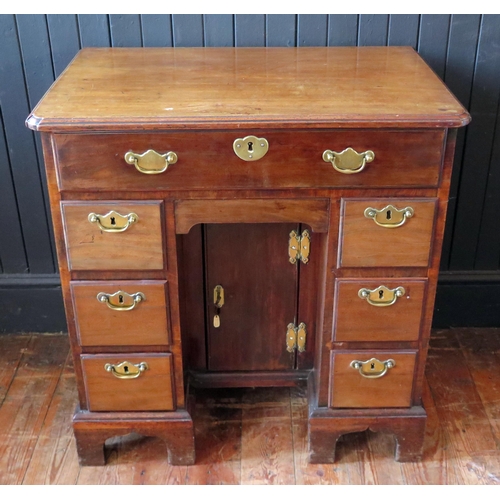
381,296
348,161
151,162
113,222
389,216
121,301
126,370
373,368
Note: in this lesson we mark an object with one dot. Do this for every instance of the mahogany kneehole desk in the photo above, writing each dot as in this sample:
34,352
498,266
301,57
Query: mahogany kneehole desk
248,217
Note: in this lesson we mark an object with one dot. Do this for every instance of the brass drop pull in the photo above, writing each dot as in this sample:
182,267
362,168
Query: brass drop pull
299,247
126,370
218,302
381,296
121,301
250,148
348,161
151,162
113,222
389,216
373,368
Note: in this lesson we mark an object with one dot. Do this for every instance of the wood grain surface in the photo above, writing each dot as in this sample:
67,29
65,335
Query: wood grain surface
206,160
152,390
98,325
366,244
162,88
139,247
460,446
356,320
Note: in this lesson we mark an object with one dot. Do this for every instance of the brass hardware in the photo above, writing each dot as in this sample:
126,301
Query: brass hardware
296,337
113,222
381,296
299,247
218,302
389,216
373,368
348,161
291,337
126,370
121,301
151,162
250,148
301,337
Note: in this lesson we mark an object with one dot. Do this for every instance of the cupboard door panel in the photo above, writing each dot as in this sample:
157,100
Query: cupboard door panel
250,261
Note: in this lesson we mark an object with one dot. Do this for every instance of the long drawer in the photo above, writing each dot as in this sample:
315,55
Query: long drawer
201,160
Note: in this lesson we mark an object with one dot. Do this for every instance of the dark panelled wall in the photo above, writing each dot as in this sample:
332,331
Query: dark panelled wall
464,50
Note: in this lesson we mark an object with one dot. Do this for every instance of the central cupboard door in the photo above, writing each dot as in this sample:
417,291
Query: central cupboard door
250,262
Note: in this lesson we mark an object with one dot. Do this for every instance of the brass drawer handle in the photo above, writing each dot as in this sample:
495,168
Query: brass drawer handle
250,148
151,162
126,370
348,161
113,222
121,301
373,368
381,296
389,216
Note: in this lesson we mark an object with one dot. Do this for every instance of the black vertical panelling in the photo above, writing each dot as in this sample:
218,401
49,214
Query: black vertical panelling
64,40
403,29
281,30
433,40
94,30
125,30
488,245
218,30
250,30
12,252
460,62
156,30
373,29
312,30
35,51
343,29
478,147
22,154
188,30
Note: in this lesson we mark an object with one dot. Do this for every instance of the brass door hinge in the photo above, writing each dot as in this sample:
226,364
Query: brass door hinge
296,337
299,247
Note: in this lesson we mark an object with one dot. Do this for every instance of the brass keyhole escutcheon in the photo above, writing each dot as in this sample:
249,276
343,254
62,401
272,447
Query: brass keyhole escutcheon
250,148
381,296
218,303
373,368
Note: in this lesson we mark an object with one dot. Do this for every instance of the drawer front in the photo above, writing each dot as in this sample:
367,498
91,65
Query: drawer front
365,243
121,313
90,247
152,390
206,159
350,389
379,309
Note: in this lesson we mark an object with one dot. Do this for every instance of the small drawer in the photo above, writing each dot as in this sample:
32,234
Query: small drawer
113,235
129,382
380,385
373,310
121,313
206,159
386,232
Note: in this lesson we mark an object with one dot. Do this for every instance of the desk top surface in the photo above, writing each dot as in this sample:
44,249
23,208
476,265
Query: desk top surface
311,87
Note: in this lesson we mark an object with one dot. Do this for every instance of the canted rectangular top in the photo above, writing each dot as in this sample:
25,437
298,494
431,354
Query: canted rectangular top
309,87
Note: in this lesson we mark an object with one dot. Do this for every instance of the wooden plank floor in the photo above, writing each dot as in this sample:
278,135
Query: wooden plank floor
253,436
